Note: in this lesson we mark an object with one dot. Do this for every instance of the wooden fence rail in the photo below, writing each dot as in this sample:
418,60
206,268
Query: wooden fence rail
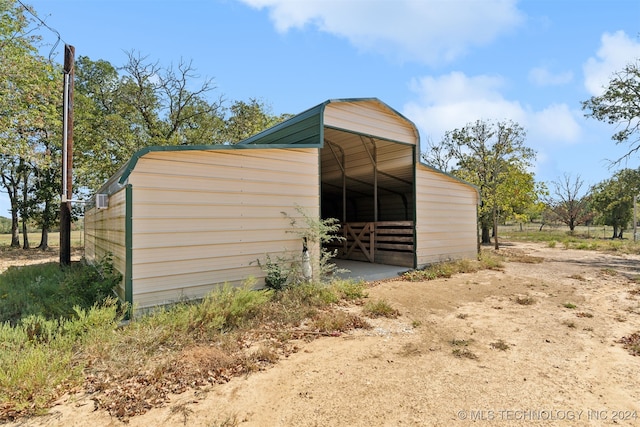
383,242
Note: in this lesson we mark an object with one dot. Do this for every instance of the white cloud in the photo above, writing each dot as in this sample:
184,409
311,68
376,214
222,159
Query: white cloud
429,31
556,123
451,101
615,52
541,76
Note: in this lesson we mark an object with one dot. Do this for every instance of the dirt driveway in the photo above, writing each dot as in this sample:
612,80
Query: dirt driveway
533,344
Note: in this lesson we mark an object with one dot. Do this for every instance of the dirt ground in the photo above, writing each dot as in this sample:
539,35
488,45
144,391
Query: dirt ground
533,344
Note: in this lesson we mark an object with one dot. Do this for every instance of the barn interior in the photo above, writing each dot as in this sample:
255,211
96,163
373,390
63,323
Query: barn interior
367,183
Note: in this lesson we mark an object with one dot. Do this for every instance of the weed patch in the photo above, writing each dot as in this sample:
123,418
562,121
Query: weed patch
232,331
380,308
337,321
525,300
52,292
486,261
631,343
460,343
500,345
464,353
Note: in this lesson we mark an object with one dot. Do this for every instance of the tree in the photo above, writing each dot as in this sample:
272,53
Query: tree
438,156
612,199
45,188
492,156
249,118
120,111
568,203
620,105
27,112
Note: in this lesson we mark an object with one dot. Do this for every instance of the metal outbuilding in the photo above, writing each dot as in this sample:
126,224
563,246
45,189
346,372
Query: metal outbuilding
179,220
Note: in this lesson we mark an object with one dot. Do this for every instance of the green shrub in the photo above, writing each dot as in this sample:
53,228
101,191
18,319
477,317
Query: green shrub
39,357
85,285
50,291
349,289
380,308
229,307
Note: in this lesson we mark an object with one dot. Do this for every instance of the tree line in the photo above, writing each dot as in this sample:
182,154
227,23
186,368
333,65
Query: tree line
494,157
119,110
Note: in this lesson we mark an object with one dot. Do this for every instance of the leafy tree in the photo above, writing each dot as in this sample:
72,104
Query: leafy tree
27,113
492,156
105,133
119,111
45,188
612,199
249,118
620,105
518,195
140,105
568,203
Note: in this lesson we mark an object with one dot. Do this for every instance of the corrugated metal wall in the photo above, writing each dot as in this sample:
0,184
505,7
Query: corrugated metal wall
105,233
446,222
202,218
369,117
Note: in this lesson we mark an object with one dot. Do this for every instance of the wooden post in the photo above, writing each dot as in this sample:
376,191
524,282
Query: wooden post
67,156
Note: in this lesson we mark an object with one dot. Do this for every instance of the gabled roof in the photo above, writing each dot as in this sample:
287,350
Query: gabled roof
306,129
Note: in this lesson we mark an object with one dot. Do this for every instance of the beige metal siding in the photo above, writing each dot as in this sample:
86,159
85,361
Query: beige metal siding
445,218
370,118
202,218
105,234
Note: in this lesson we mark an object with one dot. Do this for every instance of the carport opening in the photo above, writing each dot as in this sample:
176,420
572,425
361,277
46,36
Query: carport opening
367,183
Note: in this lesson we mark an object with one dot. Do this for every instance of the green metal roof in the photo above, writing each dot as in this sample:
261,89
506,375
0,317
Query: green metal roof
307,128
302,130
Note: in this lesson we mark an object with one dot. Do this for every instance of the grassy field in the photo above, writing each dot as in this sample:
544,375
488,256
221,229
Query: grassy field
583,237
77,239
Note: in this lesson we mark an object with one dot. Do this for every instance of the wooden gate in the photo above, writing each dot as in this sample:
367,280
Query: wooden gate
382,242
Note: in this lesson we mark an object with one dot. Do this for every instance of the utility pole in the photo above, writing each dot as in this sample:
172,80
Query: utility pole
67,156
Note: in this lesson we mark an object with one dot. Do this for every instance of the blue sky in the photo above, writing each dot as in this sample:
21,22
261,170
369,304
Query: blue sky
441,63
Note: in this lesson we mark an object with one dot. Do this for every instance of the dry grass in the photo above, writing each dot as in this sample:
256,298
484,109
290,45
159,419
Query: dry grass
488,260
525,300
234,331
464,353
631,343
410,349
380,308
500,345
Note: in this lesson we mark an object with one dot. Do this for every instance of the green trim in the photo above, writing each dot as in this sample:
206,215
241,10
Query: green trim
415,208
128,227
